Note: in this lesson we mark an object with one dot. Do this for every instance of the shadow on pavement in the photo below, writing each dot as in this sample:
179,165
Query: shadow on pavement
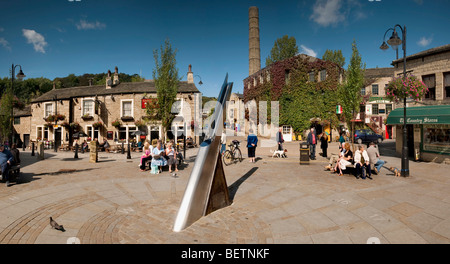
232,189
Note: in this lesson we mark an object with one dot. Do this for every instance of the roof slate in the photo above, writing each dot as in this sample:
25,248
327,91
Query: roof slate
99,90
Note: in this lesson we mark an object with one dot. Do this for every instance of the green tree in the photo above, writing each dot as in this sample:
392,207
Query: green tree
350,92
334,56
166,80
283,48
6,103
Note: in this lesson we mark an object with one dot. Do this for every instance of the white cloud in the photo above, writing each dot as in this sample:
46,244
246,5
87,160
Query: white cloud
36,39
85,25
5,44
308,51
327,12
423,42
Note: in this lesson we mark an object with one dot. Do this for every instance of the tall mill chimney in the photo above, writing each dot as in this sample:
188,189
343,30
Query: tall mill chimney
254,57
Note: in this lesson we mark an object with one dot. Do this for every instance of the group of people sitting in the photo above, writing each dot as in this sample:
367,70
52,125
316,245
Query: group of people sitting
8,158
160,156
363,160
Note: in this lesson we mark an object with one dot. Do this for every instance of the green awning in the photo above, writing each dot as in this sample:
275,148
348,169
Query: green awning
431,114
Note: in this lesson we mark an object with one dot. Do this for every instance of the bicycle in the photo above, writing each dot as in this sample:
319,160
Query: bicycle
232,154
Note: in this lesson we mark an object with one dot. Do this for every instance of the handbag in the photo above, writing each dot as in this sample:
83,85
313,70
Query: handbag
157,156
154,169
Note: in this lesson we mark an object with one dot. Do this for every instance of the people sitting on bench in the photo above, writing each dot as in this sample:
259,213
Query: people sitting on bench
6,160
104,146
362,163
146,156
16,154
345,160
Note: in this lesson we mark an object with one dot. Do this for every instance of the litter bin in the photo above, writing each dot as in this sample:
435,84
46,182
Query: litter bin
304,153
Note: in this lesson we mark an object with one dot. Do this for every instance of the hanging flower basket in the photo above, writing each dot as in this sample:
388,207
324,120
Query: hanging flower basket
116,124
139,123
410,88
97,124
75,125
66,125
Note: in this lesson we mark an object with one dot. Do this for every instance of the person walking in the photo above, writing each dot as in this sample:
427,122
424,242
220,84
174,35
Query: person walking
6,160
252,141
312,141
279,138
324,144
374,157
223,141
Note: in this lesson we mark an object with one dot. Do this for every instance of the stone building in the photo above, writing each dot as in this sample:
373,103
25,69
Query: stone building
375,107
112,111
236,109
428,121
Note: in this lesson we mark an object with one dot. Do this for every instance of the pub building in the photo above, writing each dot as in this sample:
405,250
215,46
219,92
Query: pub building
113,111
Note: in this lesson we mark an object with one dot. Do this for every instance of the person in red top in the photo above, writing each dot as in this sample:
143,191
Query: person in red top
312,141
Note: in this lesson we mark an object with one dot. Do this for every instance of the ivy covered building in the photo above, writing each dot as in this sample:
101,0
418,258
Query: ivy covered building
306,89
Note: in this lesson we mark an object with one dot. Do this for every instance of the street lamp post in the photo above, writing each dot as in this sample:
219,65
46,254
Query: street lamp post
19,76
395,41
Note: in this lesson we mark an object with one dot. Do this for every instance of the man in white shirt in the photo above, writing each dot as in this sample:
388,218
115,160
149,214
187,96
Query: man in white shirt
362,162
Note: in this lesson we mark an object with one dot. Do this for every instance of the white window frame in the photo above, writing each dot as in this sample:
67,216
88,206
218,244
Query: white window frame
121,106
82,106
45,109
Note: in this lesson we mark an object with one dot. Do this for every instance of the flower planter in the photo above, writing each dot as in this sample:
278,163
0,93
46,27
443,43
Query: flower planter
127,118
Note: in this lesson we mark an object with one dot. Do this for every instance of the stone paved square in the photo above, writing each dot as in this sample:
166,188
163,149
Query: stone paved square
278,201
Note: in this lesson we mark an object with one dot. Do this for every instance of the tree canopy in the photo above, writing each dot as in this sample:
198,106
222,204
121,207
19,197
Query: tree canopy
350,92
334,56
283,48
166,79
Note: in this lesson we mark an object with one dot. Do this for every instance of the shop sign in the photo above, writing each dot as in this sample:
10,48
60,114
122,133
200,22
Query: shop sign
425,120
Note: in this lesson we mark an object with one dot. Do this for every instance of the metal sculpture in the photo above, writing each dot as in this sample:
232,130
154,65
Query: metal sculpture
207,189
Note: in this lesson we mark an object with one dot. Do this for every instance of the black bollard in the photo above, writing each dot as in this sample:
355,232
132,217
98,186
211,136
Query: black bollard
32,148
128,151
123,149
76,151
23,146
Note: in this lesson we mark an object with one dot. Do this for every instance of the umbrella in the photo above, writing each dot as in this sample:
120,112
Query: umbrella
79,134
138,133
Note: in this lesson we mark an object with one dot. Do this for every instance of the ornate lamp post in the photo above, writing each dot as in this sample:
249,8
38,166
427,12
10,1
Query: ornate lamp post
19,76
395,41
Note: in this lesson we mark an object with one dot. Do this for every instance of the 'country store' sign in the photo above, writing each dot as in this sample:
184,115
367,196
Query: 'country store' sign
424,120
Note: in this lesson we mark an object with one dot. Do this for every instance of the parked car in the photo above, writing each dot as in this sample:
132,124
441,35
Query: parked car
366,136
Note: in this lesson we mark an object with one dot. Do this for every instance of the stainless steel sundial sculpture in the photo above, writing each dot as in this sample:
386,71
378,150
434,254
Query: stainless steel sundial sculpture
207,188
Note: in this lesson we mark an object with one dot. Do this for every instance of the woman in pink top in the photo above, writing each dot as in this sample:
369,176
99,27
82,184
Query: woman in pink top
146,156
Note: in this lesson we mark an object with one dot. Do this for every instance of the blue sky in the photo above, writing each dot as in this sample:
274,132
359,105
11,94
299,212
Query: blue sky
54,38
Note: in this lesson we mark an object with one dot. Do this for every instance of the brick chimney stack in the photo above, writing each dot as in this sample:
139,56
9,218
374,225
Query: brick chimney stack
190,75
108,80
116,76
254,57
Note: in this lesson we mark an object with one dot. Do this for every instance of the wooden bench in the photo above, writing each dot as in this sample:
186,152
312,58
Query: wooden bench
14,172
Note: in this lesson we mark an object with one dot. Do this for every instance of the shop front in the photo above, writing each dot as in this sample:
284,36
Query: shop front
428,131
